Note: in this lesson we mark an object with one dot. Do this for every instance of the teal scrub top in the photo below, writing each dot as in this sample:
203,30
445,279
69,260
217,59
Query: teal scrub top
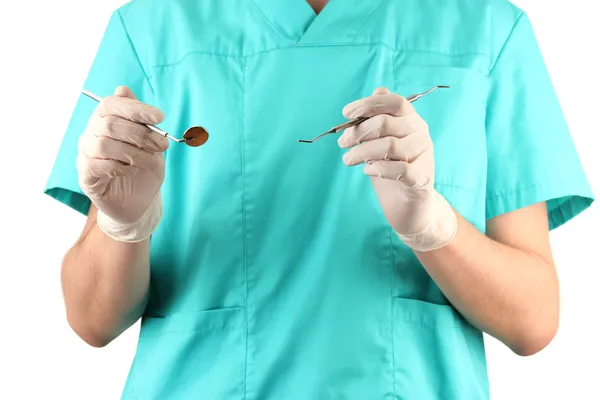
274,274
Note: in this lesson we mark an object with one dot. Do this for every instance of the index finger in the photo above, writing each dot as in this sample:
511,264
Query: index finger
391,104
129,109
381,126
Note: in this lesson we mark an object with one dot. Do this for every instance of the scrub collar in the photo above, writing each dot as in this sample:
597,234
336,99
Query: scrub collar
298,24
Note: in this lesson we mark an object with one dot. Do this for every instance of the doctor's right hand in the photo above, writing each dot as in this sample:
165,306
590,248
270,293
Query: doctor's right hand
121,166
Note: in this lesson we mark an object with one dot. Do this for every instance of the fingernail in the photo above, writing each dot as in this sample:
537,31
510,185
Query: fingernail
381,90
342,141
357,112
351,108
347,159
150,115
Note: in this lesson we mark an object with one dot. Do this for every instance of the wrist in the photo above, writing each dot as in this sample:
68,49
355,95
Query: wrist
440,231
134,232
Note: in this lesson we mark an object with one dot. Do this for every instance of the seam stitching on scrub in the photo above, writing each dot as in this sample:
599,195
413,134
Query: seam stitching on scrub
367,21
394,54
270,22
394,89
137,56
505,43
392,266
186,331
514,191
210,53
244,249
393,349
442,184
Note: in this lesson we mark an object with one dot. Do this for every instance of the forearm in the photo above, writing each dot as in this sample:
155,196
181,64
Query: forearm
105,285
509,293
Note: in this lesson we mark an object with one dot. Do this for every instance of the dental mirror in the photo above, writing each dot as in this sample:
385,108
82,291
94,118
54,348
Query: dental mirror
194,137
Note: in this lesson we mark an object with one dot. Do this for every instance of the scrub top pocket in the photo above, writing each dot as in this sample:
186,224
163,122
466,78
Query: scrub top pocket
437,354
188,355
456,119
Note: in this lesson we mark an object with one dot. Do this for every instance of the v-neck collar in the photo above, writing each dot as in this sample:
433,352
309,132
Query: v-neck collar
339,21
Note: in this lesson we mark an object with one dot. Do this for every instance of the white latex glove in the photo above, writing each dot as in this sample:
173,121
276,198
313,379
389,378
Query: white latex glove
398,152
121,166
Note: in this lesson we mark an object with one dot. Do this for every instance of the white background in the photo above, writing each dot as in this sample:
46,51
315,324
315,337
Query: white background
46,50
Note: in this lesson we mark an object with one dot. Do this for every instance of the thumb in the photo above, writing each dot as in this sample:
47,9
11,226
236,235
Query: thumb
124,91
381,90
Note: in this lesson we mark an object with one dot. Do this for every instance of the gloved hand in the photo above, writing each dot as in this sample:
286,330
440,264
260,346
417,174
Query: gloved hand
398,152
121,166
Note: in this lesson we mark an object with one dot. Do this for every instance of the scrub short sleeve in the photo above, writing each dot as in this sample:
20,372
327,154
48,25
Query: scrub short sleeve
116,63
531,155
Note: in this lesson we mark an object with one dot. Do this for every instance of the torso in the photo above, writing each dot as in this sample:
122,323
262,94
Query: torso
274,273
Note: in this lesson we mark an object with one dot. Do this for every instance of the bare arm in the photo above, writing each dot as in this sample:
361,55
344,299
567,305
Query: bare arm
105,284
120,166
505,283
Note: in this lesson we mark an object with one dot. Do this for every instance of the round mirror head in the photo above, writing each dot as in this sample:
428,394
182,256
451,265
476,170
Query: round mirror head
195,136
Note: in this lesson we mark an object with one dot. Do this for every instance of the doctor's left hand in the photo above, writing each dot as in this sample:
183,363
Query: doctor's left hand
397,150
